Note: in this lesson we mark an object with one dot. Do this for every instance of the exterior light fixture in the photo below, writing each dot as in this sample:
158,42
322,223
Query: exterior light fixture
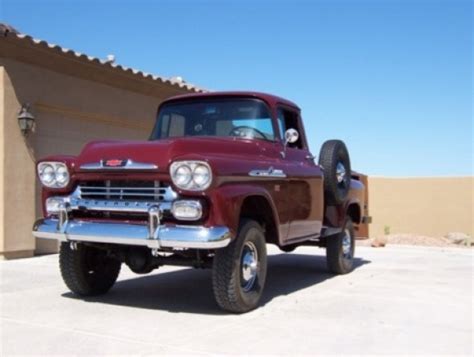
26,120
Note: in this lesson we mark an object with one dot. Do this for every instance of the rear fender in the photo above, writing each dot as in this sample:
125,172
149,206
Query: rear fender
335,215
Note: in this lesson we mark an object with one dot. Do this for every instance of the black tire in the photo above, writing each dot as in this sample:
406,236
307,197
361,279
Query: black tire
339,260
87,271
336,164
232,292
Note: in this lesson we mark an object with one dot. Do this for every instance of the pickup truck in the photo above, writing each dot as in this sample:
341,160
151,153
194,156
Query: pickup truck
222,175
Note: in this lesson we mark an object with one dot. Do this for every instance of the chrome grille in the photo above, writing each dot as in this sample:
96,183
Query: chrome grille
126,190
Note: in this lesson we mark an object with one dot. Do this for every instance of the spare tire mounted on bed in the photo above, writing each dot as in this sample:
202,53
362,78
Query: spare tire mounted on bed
334,159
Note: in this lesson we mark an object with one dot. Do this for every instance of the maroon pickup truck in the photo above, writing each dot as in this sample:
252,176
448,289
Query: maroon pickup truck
222,175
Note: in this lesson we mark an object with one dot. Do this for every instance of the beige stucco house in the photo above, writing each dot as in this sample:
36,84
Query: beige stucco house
74,99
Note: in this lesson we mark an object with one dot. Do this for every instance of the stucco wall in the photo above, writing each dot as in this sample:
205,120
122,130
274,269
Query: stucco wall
427,206
69,112
18,179
2,160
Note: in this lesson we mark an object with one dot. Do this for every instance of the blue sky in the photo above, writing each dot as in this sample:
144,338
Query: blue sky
391,78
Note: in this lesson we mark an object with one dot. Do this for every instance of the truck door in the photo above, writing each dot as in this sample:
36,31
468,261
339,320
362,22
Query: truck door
305,181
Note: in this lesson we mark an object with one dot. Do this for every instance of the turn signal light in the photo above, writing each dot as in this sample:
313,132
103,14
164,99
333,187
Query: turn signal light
187,210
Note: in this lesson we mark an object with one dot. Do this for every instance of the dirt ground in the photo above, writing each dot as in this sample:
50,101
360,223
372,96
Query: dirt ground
411,239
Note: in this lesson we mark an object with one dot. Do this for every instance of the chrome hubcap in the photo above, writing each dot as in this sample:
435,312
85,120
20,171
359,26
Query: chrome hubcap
347,244
340,173
249,265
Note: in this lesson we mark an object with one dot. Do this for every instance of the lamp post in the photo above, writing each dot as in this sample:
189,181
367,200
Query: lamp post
26,120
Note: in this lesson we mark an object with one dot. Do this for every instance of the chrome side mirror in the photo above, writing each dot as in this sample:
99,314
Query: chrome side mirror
291,136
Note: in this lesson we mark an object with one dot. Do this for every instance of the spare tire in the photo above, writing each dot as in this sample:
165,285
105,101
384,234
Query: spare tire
336,165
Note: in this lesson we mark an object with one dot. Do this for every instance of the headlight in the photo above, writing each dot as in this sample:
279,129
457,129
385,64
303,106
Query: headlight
183,175
53,174
191,175
46,174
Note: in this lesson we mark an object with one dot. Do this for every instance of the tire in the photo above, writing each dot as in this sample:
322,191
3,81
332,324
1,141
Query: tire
233,288
340,260
87,271
336,164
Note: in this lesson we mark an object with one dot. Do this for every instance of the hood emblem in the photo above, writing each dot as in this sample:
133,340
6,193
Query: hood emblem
114,163
118,164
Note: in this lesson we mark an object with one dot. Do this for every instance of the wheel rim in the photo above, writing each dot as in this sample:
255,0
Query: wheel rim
249,266
347,245
340,174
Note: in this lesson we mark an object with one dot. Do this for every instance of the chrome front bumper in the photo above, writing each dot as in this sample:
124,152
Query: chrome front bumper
153,235
131,234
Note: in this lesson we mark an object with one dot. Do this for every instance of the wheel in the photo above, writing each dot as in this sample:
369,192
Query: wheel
87,271
239,270
336,164
340,250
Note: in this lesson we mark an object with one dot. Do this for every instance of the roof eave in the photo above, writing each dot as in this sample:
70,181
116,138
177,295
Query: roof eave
21,47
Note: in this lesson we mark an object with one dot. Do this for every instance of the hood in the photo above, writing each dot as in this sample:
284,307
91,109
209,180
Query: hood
161,152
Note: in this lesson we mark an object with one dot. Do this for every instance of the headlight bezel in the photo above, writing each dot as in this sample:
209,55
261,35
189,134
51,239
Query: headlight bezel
58,168
192,165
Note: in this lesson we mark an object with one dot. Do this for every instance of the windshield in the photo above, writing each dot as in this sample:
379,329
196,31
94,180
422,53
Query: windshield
245,118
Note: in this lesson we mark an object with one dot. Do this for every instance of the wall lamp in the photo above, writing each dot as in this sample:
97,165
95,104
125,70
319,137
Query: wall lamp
26,120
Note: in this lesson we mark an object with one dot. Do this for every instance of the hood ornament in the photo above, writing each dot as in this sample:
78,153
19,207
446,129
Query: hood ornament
118,164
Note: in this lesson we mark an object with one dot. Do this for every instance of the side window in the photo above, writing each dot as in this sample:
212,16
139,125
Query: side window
288,119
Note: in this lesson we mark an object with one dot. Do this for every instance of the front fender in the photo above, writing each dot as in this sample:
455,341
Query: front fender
227,204
46,192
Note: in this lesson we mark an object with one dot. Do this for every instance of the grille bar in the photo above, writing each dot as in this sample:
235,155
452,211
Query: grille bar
121,193
126,191
123,188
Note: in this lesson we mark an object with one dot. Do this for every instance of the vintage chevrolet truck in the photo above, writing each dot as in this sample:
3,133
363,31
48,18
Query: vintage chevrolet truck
222,175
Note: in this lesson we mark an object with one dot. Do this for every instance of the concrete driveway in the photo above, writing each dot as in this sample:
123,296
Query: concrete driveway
398,300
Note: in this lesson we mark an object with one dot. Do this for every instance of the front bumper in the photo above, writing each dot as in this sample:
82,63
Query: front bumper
193,237
154,235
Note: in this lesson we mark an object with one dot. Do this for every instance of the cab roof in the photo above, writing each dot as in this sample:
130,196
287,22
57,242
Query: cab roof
271,100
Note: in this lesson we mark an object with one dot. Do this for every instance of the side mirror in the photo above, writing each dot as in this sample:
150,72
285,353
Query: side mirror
291,136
